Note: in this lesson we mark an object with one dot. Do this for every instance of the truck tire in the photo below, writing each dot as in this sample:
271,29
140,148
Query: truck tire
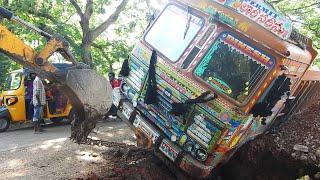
4,124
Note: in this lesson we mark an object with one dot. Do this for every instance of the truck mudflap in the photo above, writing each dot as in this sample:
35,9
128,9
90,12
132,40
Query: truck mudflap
164,148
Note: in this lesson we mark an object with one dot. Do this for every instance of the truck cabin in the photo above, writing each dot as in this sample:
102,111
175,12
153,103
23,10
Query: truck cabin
242,52
243,62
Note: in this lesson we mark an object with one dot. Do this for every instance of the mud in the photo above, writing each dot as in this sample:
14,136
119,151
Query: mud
92,98
289,151
131,163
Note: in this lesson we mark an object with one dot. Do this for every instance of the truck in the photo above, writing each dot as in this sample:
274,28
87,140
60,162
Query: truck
208,76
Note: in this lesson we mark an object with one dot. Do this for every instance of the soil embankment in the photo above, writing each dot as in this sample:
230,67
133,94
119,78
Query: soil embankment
288,152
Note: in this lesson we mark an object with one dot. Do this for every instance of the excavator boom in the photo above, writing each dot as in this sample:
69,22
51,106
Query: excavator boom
89,92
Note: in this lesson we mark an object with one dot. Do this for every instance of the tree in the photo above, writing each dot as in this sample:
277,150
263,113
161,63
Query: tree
89,31
89,35
122,21
6,66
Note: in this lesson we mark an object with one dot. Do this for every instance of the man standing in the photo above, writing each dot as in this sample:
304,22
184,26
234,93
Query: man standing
38,100
115,84
29,90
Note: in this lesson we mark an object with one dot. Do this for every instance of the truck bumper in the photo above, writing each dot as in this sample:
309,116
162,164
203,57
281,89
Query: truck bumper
167,151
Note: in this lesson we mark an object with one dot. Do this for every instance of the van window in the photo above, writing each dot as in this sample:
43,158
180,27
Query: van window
233,66
13,81
173,31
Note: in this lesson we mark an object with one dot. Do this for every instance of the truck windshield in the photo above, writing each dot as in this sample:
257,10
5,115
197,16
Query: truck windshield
173,31
234,67
13,81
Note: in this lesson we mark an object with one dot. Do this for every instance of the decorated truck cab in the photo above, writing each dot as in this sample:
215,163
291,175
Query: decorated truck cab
208,76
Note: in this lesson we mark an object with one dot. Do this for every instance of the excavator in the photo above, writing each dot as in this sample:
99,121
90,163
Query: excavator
91,100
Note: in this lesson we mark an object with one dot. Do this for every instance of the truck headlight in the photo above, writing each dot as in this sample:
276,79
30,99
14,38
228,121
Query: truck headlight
201,155
189,146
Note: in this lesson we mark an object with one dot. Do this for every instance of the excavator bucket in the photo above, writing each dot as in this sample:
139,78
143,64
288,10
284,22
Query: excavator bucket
91,95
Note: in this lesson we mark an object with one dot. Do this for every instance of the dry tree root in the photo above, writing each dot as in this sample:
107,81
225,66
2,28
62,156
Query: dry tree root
82,127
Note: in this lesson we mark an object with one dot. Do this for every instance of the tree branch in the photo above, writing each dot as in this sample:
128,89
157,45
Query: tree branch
276,1
77,7
54,21
69,39
89,9
113,18
84,20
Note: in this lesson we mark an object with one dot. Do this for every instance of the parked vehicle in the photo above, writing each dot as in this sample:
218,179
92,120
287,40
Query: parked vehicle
89,92
208,76
14,106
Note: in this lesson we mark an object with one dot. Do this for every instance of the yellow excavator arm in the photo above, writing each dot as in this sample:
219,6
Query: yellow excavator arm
20,52
89,92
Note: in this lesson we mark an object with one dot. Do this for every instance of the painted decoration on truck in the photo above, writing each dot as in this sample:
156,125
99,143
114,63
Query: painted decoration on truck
233,66
210,122
249,50
257,11
265,16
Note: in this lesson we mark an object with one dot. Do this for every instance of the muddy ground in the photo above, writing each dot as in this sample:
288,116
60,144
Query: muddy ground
132,163
290,151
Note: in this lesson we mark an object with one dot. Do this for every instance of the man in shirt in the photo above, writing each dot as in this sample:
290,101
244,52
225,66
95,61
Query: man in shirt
115,84
38,100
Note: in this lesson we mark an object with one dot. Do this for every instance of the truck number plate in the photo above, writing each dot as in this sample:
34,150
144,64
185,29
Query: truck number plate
169,151
127,111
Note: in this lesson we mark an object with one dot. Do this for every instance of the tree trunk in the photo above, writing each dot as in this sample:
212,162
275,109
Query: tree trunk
89,35
86,53
86,42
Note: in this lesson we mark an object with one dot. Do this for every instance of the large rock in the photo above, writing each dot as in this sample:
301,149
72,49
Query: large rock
91,95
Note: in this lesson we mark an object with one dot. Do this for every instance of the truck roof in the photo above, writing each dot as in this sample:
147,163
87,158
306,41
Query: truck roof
246,16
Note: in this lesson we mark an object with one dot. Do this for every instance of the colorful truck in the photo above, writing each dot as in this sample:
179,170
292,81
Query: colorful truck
208,76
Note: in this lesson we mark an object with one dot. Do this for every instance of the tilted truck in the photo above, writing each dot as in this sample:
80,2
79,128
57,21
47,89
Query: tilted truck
208,76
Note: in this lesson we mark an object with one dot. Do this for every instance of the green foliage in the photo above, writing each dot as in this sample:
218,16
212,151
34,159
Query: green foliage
6,66
60,17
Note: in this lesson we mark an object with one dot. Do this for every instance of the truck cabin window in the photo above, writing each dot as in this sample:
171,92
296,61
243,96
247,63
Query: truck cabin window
233,66
173,31
13,81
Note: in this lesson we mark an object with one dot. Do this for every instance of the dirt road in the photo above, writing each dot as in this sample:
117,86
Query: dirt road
51,155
